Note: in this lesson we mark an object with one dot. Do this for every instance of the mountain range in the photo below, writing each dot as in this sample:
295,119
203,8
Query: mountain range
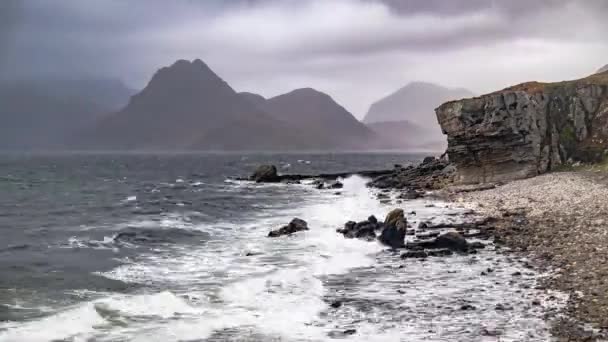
603,69
188,106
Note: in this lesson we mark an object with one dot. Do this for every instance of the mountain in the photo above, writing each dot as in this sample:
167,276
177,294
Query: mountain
416,102
40,114
412,107
603,69
322,118
188,107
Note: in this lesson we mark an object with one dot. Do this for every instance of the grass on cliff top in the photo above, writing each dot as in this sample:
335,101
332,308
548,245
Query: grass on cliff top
535,87
595,167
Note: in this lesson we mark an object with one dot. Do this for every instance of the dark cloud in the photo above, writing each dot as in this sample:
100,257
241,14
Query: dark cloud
338,45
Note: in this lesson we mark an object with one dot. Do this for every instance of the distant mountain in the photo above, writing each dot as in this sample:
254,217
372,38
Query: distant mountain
603,69
41,114
323,120
413,108
416,102
188,106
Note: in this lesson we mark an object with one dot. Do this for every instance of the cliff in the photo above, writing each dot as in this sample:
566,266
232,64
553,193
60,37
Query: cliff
526,130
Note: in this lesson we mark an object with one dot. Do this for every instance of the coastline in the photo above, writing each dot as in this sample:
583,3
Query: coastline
558,220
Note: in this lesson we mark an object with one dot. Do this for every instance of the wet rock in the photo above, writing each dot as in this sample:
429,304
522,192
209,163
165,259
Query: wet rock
372,219
349,332
476,245
265,174
410,195
467,307
335,185
451,240
421,254
336,304
394,216
296,225
361,230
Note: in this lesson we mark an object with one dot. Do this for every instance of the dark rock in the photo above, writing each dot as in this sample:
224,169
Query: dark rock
296,225
266,174
428,160
415,254
349,331
467,307
336,304
362,230
450,240
372,219
335,185
476,245
410,195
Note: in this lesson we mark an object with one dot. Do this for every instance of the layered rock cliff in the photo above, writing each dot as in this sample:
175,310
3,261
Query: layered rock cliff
527,129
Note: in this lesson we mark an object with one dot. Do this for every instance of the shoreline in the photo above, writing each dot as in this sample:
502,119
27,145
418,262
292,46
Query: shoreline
557,220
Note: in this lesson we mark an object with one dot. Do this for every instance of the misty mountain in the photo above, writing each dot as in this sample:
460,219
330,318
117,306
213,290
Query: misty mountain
322,118
188,106
40,114
603,69
412,110
416,102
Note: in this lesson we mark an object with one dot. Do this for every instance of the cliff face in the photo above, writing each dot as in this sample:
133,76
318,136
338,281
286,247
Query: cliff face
527,129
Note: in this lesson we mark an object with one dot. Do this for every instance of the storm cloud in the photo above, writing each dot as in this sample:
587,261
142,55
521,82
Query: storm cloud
355,50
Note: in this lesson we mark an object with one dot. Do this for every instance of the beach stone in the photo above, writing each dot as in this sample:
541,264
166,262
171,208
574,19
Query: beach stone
265,174
335,185
394,216
296,225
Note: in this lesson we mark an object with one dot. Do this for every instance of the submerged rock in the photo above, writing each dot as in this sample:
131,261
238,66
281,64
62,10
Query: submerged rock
265,174
296,225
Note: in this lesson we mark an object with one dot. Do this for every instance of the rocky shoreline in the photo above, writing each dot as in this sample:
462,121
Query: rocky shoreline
559,220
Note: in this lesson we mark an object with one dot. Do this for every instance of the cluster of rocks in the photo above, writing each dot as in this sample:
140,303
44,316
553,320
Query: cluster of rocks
432,173
296,225
393,231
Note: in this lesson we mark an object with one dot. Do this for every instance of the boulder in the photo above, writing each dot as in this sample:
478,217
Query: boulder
265,174
428,160
394,216
394,235
296,225
335,185
360,230
451,240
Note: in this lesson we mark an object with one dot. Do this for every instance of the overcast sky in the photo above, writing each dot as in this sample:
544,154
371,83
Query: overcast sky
356,50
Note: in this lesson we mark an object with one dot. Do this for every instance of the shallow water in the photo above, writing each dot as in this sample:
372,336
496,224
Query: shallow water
166,248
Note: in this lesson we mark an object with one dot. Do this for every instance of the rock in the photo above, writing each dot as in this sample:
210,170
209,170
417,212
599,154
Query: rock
362,230
335,185
451,240
394,216
430,175
372,219
421,254
428,160
349,332
394,235
526,130
467,307
296,225
265,174
336,304
410,195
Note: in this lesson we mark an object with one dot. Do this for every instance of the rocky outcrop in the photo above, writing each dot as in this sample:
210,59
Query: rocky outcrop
265,174
432,173
527,129
296,225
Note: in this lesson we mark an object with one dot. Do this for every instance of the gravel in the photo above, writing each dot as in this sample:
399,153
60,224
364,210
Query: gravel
561,219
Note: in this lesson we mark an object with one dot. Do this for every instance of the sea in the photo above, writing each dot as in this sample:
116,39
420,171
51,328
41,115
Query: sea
172,247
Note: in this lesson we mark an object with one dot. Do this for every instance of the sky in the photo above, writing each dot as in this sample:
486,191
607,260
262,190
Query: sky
358,51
